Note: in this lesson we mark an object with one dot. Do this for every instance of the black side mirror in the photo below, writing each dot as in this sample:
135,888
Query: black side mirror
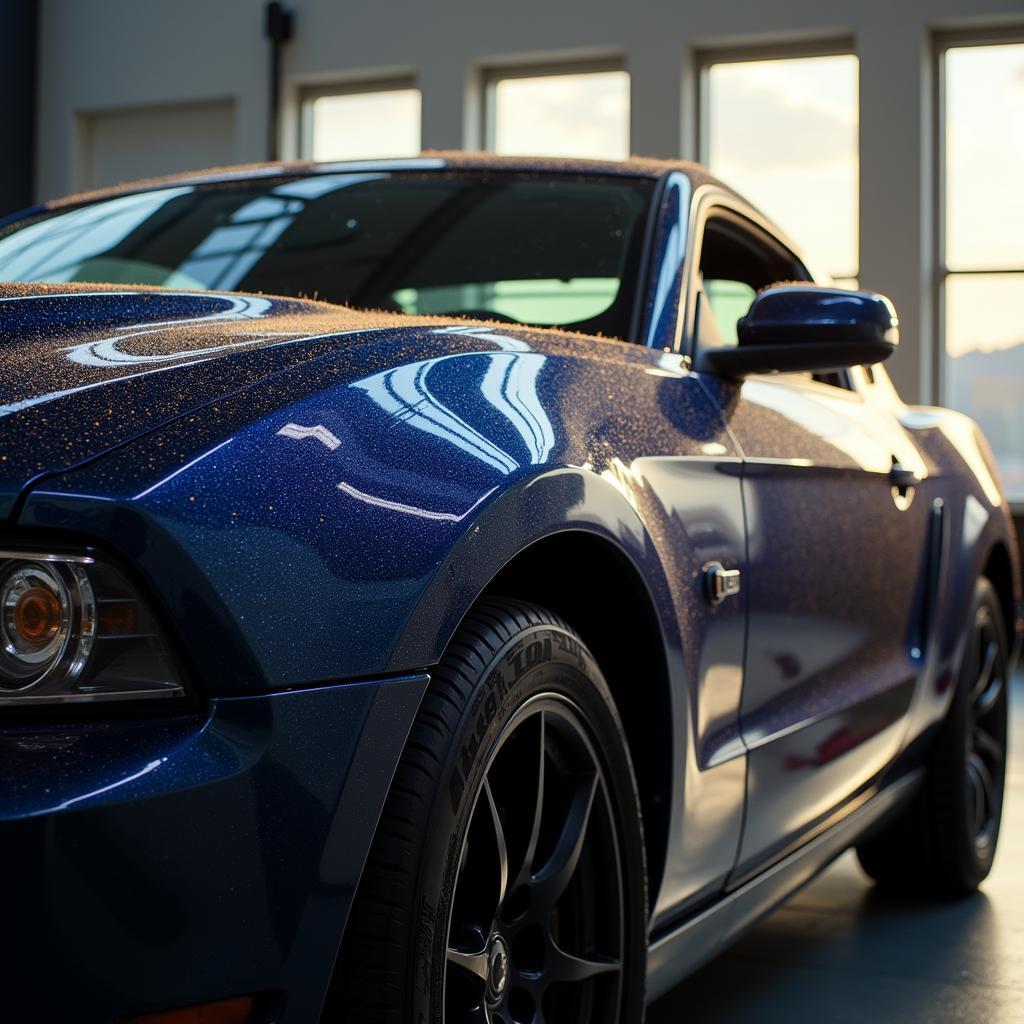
796,327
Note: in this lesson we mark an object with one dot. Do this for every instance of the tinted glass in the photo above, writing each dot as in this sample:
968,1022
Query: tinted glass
554,250
736,260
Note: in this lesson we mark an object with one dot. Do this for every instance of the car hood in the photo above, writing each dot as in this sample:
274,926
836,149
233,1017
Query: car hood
86,368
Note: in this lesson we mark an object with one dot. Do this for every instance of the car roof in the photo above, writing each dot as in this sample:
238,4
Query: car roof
430,160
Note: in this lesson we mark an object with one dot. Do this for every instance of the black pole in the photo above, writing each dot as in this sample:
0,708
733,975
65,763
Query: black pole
278,25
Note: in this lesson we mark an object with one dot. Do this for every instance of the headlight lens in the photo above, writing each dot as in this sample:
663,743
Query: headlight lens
72,629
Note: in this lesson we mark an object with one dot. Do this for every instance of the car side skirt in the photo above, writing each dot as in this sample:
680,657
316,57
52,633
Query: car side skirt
673,955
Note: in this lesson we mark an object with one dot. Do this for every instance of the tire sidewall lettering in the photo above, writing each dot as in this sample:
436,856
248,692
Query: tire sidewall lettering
541,659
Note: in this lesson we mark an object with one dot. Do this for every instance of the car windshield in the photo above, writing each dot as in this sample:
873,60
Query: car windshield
555,250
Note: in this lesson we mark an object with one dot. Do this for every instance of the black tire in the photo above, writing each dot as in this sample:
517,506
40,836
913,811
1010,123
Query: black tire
943,845
517,711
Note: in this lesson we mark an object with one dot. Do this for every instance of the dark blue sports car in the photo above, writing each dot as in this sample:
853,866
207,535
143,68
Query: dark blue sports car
487,631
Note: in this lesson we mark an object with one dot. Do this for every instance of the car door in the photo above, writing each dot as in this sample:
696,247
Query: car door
835,542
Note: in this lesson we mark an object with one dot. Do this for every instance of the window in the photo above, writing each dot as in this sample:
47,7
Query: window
361,123
982,252
551,301
583,114
555,249
736,260
783,132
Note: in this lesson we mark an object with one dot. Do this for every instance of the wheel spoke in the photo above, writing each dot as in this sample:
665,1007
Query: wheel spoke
499,839
988,747
473,963
534,836
554,877
563,966
538,808
984,694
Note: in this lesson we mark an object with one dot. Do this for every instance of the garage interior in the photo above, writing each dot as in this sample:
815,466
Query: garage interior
887,139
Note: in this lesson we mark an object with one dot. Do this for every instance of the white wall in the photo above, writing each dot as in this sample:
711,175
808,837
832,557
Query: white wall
102,56
126,144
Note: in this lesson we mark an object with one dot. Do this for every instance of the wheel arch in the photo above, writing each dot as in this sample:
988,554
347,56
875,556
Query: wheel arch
600,592
564,539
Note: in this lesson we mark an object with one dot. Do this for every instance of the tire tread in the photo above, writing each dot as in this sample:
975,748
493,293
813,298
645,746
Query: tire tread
378,919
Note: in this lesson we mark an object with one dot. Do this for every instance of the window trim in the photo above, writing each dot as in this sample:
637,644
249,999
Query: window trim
308,94
706,199
492,74
840,45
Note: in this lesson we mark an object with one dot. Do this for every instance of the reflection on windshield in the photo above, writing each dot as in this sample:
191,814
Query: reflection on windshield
229,252
545,250
54,250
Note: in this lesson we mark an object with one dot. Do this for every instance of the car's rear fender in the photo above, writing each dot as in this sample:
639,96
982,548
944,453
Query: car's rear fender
977,538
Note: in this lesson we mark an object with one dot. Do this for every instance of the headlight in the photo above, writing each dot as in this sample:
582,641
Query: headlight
72,629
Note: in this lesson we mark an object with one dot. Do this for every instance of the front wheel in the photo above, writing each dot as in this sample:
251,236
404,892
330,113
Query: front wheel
944,843
506,882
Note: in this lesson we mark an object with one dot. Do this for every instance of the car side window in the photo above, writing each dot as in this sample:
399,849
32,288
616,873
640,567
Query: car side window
729,300
737,259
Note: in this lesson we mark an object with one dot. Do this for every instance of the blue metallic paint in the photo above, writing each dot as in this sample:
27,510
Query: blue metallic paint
829,674
323,505
188,859
668,262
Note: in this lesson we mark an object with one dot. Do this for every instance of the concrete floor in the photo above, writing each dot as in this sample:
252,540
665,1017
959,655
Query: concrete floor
839,954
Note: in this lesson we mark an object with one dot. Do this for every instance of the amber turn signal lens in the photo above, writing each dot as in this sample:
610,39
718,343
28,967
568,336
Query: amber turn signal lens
119,618
37,616
224,1011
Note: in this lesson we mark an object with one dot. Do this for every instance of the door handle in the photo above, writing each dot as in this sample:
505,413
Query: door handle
719,582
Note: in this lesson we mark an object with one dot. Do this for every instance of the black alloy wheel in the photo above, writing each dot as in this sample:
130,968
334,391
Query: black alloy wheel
944,843
527,940
506,883
987,724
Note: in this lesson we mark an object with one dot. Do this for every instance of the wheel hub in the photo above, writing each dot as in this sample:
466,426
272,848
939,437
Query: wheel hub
497,968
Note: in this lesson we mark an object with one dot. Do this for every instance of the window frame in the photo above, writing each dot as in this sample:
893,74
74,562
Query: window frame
942,43
840,45
309,94
492,74
706,200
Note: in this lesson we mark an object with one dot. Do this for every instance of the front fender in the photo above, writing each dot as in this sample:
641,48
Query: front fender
335,522
558,500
